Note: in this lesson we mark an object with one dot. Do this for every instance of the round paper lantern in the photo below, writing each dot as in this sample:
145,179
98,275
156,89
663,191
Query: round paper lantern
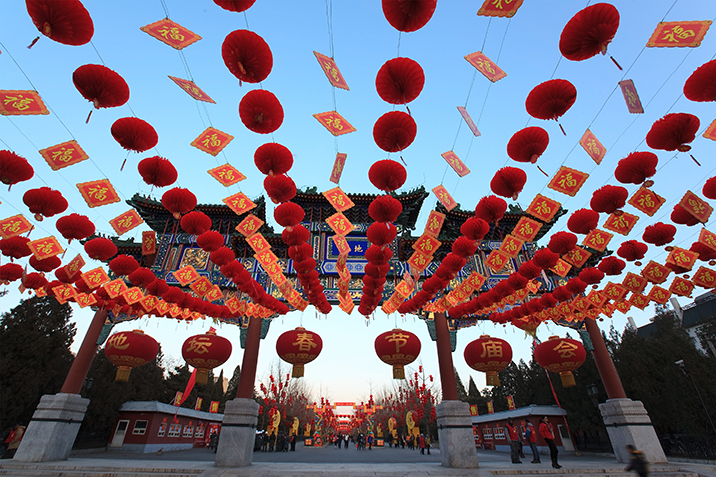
178,201
682,216
123,265
475,229
206,352
673,132
408,15
130,349
272,158
583,221
400,80
210,240
397,348
608,199
709,189
222,256
260,111
636,167
157,171
562,242
101,249
387,175
489,355
134,134
394,131
34,281
101,86
298,347
591,275
561,355
235,5
589,32
66,22
701,85
44,202
247,56
141,277
659,234
280,188
528,144
14,168
289,214
631,250
75,226
551,99
508,182
490,209
381,234
46,265
705,252
195,223
611,266
10,272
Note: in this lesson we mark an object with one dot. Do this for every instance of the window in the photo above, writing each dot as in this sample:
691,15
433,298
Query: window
500,433
140,427
199,433
162,429
174,430
487,433
188,431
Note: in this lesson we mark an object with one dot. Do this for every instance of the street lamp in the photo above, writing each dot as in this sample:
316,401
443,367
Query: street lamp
680,363
593,392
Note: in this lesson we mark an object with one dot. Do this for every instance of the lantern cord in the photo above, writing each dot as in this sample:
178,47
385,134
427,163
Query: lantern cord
33,42
615,62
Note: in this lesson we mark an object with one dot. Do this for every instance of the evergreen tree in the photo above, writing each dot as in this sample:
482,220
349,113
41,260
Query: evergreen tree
473,395
461,393
36,336
233,386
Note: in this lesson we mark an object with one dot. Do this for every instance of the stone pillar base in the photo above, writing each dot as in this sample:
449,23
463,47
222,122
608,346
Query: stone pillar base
627,422
238,433
53,428
457,443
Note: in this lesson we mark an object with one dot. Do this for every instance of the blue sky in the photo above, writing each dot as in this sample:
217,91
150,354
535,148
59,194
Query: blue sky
526,47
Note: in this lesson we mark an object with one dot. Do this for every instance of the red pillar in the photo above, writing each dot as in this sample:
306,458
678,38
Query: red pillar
447,371
251,357
83,360
605,365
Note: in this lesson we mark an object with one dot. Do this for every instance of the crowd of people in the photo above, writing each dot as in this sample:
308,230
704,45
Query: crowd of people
266,442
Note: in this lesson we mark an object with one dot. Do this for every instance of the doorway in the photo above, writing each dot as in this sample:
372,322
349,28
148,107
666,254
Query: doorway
119,434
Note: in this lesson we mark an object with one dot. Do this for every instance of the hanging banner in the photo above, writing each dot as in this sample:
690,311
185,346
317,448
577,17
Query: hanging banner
490,407
621,223
444,197
214,407
485,66
631,97
682,258
568,181
192,89
679,34
63,155
592,146
655,272
171,33
74,266
646,200
597,239
696,207
434,223
334,122
197,406
331,70
126,222
499,8
468,120
681,287
249,226
634,283
212,141
338,166
338,199
457,165
149,242
45,247
18,103
659,295
239,203
510,402
15,225
98,193
226,174
543,208
710,132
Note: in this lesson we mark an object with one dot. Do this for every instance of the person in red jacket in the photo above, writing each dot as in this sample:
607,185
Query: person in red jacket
513,438
547,433
531,436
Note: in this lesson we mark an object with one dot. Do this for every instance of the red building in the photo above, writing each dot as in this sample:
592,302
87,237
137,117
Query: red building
150,426
489,429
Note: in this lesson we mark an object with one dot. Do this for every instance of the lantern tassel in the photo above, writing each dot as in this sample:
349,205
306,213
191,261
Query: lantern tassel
697,162
543,172
492,378
297,371
122,375
567,379
202,376
615,62
33,42
403,161
89,116
398,371
560,127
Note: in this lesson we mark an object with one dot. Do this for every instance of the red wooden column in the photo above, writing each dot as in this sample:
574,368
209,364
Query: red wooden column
83,360
447,371
605,365
251,357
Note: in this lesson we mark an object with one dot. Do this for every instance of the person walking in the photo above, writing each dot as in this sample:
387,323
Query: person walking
370,441
427,443
531,436
637,463
547,432
513,439
421,443
272,441
347,439
293,442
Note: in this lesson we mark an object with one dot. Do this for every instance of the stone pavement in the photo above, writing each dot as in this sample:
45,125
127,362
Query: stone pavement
331,462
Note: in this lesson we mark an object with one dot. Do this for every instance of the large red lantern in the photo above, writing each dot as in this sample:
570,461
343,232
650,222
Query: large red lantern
397,348
206,352
561,355
299,347
130,349
490,356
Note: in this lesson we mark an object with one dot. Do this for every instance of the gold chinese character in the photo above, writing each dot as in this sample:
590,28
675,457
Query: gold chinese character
18,102
118,342
198,345
677,33
125,222
399,339
304,341
498,3
11,226
491,349
212,141
171,33
567,181
99,192
63,155
565,349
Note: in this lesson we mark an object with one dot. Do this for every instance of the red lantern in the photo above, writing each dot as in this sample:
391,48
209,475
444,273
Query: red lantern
10,272
75,226
561,355
701,85
551,99
583,221
387,175
15,247
659,234
101,86
490,209
101,249
589,32
400,80
178,201
394,131
130,349
260,111
44,202
157,171
299,347
632,250
528,144
142,277
611,266
273,158
247,56
636,167
709,189
562,242
134,134
408,15
289,214
123,265
206,352
195,223
14,168
46,265
210,241
65,22
490,356
235,5
673,132
608,199
397,348
508,182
